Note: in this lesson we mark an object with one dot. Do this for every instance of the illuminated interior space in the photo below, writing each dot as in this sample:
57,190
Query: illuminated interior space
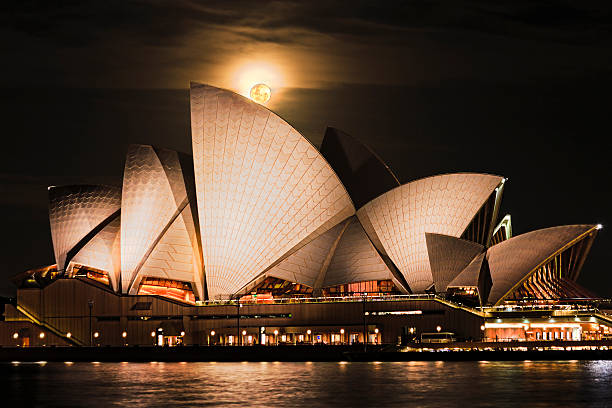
570,329
180,291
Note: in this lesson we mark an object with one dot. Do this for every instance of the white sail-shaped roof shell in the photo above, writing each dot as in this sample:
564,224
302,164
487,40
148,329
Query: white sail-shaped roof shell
103,252
308,264
175,256
513,260
156,223
75,211
398,220
262,188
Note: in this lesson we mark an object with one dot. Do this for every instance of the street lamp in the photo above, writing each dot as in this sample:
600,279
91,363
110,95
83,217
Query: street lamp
341,335
15,335
276,336
365,327
438,328
238,306
309,332
124,335
90,303
41,335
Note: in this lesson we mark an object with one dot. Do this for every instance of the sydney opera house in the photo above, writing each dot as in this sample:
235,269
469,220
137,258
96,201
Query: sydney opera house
261,238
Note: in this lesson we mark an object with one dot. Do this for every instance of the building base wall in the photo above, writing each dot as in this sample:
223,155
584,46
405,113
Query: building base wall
95,315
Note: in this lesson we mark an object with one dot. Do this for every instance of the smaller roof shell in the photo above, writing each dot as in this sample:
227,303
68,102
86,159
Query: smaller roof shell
514,260
77,210
448,256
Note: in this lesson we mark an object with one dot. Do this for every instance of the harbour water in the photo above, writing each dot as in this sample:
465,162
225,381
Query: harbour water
309,384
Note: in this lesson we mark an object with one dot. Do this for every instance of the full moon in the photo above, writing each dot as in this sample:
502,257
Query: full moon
261,93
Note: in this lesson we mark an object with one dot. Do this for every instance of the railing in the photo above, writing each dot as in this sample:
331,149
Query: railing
328,299
585,307
47,326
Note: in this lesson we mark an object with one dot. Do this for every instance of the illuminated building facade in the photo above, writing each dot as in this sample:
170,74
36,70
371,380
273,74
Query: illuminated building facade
262,233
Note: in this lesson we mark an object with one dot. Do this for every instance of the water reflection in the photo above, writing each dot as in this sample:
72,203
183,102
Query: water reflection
426,384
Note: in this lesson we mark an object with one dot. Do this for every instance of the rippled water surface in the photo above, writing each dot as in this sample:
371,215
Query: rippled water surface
423,384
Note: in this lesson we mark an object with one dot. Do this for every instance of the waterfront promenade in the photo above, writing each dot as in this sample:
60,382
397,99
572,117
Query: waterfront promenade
474,351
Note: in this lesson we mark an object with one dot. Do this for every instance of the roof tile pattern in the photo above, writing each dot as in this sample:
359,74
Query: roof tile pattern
512,260
103,252
261,187
174,257
442,204
305,264
74,211
469,276
355,259
448,256
153,193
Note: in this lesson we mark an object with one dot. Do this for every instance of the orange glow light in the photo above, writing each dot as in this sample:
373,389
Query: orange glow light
250,74
172,293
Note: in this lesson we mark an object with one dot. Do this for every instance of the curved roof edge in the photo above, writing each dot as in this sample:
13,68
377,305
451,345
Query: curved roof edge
76,211
470,275
102,251
158,177
192,83
72,186
506,222
448,256
443,204
513,261
502,179
364,174
268,176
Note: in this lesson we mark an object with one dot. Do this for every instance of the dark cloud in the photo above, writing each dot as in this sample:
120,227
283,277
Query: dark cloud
80,23
153,44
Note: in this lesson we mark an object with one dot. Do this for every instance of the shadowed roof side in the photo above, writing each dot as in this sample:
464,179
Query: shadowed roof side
512,261
448,256
362,171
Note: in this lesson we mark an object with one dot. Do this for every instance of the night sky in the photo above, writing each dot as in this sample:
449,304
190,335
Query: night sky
502,87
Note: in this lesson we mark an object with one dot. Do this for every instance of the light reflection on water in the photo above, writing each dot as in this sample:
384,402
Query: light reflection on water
423,384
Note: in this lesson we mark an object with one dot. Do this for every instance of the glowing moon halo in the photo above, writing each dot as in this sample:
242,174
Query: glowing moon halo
260,93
